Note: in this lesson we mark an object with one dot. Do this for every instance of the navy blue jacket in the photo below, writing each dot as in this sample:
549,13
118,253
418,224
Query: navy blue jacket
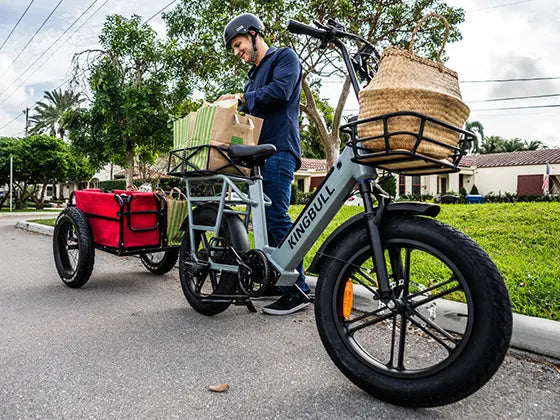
272,93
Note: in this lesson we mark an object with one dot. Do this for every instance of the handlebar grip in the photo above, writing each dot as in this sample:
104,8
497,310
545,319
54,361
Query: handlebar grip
303,29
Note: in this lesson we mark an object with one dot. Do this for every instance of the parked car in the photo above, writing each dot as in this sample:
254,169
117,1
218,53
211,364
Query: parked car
354,200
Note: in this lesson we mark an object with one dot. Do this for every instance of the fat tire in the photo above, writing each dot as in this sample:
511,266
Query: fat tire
73,218
489,336
232,230
164,265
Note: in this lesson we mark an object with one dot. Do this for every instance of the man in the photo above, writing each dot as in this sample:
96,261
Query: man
272,93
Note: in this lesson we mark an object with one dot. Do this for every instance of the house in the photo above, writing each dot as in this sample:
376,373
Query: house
518,173
311,173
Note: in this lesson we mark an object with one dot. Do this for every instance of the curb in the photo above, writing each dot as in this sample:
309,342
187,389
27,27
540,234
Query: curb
35,227
535,335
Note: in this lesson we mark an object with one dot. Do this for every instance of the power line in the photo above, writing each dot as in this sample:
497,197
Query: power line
16,25
501,5
514,98
33,37
159,11
516,107
50,46
11,121
54,52
528,79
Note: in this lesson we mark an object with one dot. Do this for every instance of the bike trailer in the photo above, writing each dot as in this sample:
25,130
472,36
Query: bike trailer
124,220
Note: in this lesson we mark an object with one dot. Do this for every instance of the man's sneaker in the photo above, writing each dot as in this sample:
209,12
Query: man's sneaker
287,304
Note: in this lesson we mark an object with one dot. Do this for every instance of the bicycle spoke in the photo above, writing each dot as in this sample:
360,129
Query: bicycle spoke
435,326
416,303
435,286
368,287
402,338
352,330
429,333
393,332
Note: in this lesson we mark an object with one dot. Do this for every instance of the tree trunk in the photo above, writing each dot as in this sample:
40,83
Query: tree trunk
130,167
329,139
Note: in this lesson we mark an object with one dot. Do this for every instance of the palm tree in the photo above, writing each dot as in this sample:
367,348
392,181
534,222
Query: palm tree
476,128
49,113
535,145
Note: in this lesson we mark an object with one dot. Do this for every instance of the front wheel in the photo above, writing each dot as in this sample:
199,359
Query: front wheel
405,352
160,262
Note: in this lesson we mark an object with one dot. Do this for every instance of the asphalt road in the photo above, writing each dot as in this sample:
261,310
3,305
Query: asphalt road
127,345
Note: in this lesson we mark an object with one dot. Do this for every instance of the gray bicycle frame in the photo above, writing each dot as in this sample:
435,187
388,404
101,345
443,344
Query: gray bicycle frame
307,228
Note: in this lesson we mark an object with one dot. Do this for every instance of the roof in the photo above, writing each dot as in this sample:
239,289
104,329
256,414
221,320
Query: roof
313,165
527,157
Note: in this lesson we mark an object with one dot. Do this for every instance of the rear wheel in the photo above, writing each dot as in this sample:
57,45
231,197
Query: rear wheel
160,262
406,352
209,292
73,247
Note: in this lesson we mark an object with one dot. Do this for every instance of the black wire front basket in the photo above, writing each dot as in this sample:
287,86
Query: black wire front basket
411,160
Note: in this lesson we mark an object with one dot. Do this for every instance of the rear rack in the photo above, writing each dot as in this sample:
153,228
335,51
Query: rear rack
193,162
407,162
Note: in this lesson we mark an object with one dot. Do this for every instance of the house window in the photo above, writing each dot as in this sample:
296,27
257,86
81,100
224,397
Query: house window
416,185
460,181
443,185
402,185
300,184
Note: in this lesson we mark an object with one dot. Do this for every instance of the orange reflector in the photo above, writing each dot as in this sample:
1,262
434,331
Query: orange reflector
348,299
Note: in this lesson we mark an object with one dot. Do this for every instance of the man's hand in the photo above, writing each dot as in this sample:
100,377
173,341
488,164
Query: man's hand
238,96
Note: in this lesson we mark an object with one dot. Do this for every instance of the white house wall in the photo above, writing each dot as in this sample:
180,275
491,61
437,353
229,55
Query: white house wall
504,179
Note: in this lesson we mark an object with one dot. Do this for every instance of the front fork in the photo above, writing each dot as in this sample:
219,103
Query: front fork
373,221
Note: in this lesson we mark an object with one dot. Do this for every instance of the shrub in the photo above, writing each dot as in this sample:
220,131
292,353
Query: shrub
116,184
390,186
474,190
294,194
304,197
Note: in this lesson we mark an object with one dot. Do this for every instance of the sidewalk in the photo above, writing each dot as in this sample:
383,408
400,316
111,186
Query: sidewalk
536,335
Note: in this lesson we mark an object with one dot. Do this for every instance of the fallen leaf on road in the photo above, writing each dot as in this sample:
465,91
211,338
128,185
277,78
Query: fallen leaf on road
218,388
557,368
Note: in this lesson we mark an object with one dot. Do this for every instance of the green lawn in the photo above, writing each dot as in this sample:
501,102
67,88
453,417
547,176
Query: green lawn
523,239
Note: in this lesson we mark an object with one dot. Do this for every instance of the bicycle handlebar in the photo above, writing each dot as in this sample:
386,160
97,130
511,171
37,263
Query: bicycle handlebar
299,28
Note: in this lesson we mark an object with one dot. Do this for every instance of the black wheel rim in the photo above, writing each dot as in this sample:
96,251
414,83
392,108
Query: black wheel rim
68,248
407,342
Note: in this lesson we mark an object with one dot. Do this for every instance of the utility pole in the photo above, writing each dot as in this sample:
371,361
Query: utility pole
26,112
11,179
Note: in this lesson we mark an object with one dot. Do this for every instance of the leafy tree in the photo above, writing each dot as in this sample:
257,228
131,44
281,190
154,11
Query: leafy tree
201,61
49,113
39,160
129,111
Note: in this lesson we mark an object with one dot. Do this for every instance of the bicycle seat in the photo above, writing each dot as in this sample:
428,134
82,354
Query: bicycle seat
248,155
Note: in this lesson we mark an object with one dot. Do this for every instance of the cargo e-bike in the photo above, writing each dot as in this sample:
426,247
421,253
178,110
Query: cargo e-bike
380,273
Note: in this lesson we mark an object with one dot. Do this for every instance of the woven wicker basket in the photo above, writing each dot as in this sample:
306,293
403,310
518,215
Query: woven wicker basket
407,82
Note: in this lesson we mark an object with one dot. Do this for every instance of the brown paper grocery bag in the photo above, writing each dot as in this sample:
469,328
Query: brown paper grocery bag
217,127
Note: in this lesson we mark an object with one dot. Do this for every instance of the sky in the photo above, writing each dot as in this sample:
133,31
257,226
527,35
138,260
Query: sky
502,40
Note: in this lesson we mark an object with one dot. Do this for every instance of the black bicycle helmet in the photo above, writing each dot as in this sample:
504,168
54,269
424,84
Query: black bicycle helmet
241,26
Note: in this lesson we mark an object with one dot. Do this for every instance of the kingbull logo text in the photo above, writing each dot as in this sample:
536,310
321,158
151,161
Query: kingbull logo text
312,212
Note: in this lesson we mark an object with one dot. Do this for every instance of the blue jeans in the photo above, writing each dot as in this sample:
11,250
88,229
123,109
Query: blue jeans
278,174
